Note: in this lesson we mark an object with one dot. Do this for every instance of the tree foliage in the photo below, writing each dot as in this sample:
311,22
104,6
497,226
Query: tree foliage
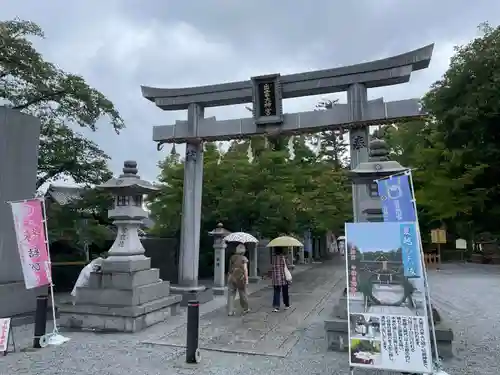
81,220
456,151
278,190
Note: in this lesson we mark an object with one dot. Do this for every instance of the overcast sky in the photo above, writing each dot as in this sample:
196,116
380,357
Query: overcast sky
118,45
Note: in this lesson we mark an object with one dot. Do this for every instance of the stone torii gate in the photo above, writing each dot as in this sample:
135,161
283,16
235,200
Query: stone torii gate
266,93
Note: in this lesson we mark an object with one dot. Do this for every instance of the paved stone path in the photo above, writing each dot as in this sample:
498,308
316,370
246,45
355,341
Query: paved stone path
262,331
469,295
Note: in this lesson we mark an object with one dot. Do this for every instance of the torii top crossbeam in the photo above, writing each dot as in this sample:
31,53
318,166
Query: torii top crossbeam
378,73
354,79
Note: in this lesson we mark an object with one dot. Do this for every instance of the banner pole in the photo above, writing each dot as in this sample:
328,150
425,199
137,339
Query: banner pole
405,172
424,270
50,264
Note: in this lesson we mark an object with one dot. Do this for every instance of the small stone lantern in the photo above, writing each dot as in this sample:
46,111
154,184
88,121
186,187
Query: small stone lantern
128,213
219,258
369,209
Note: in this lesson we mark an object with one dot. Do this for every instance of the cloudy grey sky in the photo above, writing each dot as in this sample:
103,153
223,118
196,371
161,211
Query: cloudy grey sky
118,45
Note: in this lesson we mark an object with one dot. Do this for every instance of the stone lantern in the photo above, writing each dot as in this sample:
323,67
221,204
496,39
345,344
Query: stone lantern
126,294
219,259
368,208
128,213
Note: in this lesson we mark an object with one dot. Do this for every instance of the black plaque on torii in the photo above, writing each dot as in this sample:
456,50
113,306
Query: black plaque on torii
267,100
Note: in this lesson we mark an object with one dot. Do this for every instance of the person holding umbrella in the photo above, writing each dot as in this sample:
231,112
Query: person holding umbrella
279,279
281,276
238,280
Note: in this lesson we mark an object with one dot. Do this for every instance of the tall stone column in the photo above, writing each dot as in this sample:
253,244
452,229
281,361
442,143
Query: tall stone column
19,141
191,215
253,276
308,246
358,139
315,250
219,259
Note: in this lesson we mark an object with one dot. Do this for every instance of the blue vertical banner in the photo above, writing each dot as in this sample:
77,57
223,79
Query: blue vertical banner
410,250
396,198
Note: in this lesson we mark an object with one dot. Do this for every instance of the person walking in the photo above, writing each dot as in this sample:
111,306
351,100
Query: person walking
238,280
279,279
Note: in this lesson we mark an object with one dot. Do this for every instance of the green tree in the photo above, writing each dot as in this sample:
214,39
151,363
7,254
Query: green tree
455,151
31,84
81,220
277,191
465,110
65,153
166,204
331,143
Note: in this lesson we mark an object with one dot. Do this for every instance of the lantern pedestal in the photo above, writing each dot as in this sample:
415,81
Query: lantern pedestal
125,296
219,290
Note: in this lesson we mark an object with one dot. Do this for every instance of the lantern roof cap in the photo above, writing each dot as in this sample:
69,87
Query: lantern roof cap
128,182
379,164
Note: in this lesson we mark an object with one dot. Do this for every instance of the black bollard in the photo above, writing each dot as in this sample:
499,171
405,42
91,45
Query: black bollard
40,319
193,322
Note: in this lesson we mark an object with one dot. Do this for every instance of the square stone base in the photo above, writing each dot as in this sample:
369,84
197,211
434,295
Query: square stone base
122,297
219,291
200,293
337,336
254,279
117,319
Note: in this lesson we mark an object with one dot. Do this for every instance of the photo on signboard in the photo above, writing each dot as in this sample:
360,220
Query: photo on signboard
384,267
365,352
364,327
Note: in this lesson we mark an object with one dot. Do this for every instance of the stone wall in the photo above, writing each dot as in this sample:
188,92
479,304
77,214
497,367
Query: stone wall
19,140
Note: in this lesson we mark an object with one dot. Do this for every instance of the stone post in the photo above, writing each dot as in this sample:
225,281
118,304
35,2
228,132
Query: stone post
219,259
301,256
308,245
315,250
290,258
253,276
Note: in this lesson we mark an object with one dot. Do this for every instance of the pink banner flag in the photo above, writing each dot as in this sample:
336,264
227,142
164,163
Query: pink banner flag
31,242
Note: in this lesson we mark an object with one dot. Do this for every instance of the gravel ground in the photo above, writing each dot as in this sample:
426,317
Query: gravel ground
468,297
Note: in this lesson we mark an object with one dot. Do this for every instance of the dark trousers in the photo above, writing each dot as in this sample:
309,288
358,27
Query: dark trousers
276,297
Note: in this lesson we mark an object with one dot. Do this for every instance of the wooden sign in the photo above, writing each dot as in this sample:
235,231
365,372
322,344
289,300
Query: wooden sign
267,100
438,236
5,335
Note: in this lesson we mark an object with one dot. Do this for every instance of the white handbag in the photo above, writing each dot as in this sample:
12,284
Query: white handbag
288,275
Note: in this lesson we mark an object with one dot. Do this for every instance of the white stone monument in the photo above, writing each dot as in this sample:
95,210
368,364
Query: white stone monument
126,294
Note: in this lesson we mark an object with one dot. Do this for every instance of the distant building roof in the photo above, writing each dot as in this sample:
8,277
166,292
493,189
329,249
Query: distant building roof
64,194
